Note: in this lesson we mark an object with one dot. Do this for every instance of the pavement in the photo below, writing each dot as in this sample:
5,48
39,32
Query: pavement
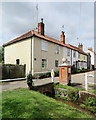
77,79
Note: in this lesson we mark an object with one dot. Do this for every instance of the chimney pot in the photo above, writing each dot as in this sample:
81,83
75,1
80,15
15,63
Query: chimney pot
62,33
42,20
90,49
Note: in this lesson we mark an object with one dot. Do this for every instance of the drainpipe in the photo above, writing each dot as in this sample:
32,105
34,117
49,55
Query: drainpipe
71,57
32,67
31,57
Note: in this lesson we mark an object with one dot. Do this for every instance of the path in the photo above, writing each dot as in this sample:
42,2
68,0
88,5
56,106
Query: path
77,79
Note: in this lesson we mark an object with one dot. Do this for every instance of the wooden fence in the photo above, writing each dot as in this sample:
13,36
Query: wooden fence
13,71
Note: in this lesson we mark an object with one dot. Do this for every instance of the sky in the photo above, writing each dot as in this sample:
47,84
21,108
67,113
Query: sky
76,17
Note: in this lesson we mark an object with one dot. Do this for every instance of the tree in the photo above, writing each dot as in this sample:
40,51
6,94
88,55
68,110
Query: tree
1,54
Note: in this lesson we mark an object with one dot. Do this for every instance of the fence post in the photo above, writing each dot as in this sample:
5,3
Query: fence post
86,81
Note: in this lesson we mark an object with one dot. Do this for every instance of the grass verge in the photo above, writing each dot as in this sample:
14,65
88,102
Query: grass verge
23,103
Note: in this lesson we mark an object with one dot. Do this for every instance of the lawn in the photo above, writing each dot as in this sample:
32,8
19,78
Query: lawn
23,103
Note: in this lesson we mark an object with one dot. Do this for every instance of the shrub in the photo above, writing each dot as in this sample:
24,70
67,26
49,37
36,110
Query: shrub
90,103
65,98
83,106
73,69
56,73
3,61
42,75
10,65
29,81
73,94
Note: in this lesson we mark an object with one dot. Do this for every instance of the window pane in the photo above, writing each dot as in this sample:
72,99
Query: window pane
44,63
68,52
56,63
44,45
74,53
57,49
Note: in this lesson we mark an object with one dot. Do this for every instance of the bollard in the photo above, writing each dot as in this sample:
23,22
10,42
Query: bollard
52,75
86,82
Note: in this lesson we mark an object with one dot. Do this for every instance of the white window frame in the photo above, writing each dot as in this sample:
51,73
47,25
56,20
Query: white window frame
57,49
84,57
44,45
68,62
79,55
44,64
68,52
74,54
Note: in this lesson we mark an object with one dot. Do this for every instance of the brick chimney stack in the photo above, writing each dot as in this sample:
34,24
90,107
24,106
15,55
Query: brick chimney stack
80,46
41,27
63,38
90,49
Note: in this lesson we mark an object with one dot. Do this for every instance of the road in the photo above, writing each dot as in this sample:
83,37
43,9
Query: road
77,80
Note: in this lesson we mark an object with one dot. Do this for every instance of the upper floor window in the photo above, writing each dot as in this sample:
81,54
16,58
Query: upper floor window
68,52
44,45
74,62
78,55
84,57
74,53
68,62
17,61
57,49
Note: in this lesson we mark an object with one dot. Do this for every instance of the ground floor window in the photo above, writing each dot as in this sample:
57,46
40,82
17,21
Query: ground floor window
68,62
56,63
44,63
17,61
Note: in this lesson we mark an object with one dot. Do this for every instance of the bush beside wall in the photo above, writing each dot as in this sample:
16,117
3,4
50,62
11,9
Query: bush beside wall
75,70
10,71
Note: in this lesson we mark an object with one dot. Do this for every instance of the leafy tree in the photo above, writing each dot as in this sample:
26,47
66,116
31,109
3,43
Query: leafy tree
1,54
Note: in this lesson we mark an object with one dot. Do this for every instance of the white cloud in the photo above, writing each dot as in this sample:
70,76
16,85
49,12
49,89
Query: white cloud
77,19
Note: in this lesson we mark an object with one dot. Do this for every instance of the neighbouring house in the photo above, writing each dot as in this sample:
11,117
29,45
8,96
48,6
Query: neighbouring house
89,61
42,53
93,58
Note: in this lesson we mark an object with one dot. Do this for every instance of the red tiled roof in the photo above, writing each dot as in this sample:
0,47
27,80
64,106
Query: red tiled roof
79,50
34,33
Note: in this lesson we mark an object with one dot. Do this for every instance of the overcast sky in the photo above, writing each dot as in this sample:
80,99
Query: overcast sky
77,18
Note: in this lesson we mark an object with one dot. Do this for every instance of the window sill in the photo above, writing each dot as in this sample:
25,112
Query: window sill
44,68
45,50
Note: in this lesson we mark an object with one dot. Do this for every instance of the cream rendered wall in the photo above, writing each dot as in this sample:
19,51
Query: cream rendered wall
50,55
19,50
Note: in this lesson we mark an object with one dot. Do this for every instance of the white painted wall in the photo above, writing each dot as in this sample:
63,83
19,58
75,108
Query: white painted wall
92,56
65,54
74,58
